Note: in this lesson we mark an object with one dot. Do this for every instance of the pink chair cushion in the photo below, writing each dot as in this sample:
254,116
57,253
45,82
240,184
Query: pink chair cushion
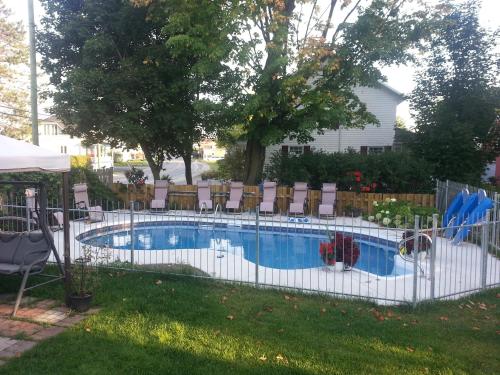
158,203
325,209
266,207
296,208
234,205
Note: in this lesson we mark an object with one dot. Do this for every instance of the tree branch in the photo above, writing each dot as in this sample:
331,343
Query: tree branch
333,3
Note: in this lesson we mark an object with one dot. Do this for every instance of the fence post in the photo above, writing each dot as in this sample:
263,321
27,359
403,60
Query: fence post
437,195
257,245
446,196
495,219
132,244
484,249
433,254
415,258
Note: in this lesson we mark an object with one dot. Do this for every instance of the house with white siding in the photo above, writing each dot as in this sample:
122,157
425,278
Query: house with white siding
382,102
51,136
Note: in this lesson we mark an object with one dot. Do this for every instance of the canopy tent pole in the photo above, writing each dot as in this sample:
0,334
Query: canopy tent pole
67,250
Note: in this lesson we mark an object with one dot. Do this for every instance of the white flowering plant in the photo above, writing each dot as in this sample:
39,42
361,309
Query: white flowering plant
397,214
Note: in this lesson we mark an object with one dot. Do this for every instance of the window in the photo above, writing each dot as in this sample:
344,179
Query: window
375,150
296,150
64,150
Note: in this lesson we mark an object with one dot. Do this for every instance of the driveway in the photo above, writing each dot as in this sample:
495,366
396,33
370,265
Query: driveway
174,168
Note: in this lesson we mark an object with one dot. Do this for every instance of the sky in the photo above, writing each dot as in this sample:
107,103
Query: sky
399,77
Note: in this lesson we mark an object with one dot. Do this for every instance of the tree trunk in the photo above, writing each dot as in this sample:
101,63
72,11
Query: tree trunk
255,154
187,168
156,164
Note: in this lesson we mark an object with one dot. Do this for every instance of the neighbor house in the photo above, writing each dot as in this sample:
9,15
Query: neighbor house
52,137
373,139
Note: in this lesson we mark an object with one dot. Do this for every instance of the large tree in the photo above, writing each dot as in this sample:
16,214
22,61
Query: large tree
14,115
303,59
455,99
116,81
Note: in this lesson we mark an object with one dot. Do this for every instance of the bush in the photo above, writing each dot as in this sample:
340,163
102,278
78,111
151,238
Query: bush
80,161
400,214
389,172
232,167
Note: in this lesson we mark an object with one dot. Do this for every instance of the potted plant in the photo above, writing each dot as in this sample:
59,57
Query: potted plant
341,252
85,278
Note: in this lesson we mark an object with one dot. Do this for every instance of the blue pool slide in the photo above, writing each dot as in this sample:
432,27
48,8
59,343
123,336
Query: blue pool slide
455,206
462,214
474,217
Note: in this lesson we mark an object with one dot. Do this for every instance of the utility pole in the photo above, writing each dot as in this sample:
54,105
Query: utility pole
34,96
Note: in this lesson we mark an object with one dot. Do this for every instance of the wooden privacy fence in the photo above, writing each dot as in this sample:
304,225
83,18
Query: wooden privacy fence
185,197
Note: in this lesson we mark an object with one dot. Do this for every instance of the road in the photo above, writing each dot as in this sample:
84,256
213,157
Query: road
174,168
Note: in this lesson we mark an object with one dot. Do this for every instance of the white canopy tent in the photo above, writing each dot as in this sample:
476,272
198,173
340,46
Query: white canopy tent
19,156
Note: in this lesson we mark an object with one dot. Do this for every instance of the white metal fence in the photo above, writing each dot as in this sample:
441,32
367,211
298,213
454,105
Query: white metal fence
276,251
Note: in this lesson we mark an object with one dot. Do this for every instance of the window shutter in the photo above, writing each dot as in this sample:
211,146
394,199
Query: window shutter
363,150
284,150
307,149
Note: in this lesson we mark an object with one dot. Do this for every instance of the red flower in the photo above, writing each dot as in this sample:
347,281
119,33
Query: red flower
357,174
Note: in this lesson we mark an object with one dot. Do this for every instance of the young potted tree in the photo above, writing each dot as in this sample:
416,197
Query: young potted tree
85,279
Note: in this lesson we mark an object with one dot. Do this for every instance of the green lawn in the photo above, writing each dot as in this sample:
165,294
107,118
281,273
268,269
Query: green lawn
151,324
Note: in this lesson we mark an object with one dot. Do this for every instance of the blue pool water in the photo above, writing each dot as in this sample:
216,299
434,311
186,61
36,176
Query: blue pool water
282,250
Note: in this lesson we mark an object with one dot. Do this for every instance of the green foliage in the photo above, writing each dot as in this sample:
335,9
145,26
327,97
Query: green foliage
400,214
80,161
455,99
391,171
14,114
98,192
232,167
135,176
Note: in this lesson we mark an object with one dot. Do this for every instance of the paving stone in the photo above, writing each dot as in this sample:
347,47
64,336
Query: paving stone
47,333
6,309
13,328
71,321
6,342
17,349
50,316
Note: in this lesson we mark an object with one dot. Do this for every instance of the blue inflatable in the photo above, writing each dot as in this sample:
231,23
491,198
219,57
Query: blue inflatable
475,216
455,205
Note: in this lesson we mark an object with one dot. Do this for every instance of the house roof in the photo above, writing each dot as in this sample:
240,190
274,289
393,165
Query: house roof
393,91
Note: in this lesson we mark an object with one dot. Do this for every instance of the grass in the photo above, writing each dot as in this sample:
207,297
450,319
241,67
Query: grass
152,323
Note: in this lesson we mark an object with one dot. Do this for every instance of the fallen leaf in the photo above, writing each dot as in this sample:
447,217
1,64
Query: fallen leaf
281,330
295,307
410,349
281,358
158,282
414,321
230,317
498,295
398,318
263,358
223,299
482,306
476,328
87,329
390,314
217,333
443,318
259,313
498,332
268,309
323,310
287,297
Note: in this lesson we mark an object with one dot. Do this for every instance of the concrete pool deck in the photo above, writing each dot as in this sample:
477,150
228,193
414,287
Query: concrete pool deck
458,268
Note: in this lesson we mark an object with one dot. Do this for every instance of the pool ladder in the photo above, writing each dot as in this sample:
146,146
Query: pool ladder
402,243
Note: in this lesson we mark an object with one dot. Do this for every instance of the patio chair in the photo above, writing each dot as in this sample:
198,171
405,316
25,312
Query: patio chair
95,213
299,203
204,196
235,196
160,200
328,198
269,198
31,204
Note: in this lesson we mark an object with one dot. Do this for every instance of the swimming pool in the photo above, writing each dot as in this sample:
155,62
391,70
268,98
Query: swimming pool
279,248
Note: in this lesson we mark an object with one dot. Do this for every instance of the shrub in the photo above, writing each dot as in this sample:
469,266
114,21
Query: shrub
232,167
80,161
400,214
396,172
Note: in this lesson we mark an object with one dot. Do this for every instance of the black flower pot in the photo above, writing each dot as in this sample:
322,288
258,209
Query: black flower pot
80,303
